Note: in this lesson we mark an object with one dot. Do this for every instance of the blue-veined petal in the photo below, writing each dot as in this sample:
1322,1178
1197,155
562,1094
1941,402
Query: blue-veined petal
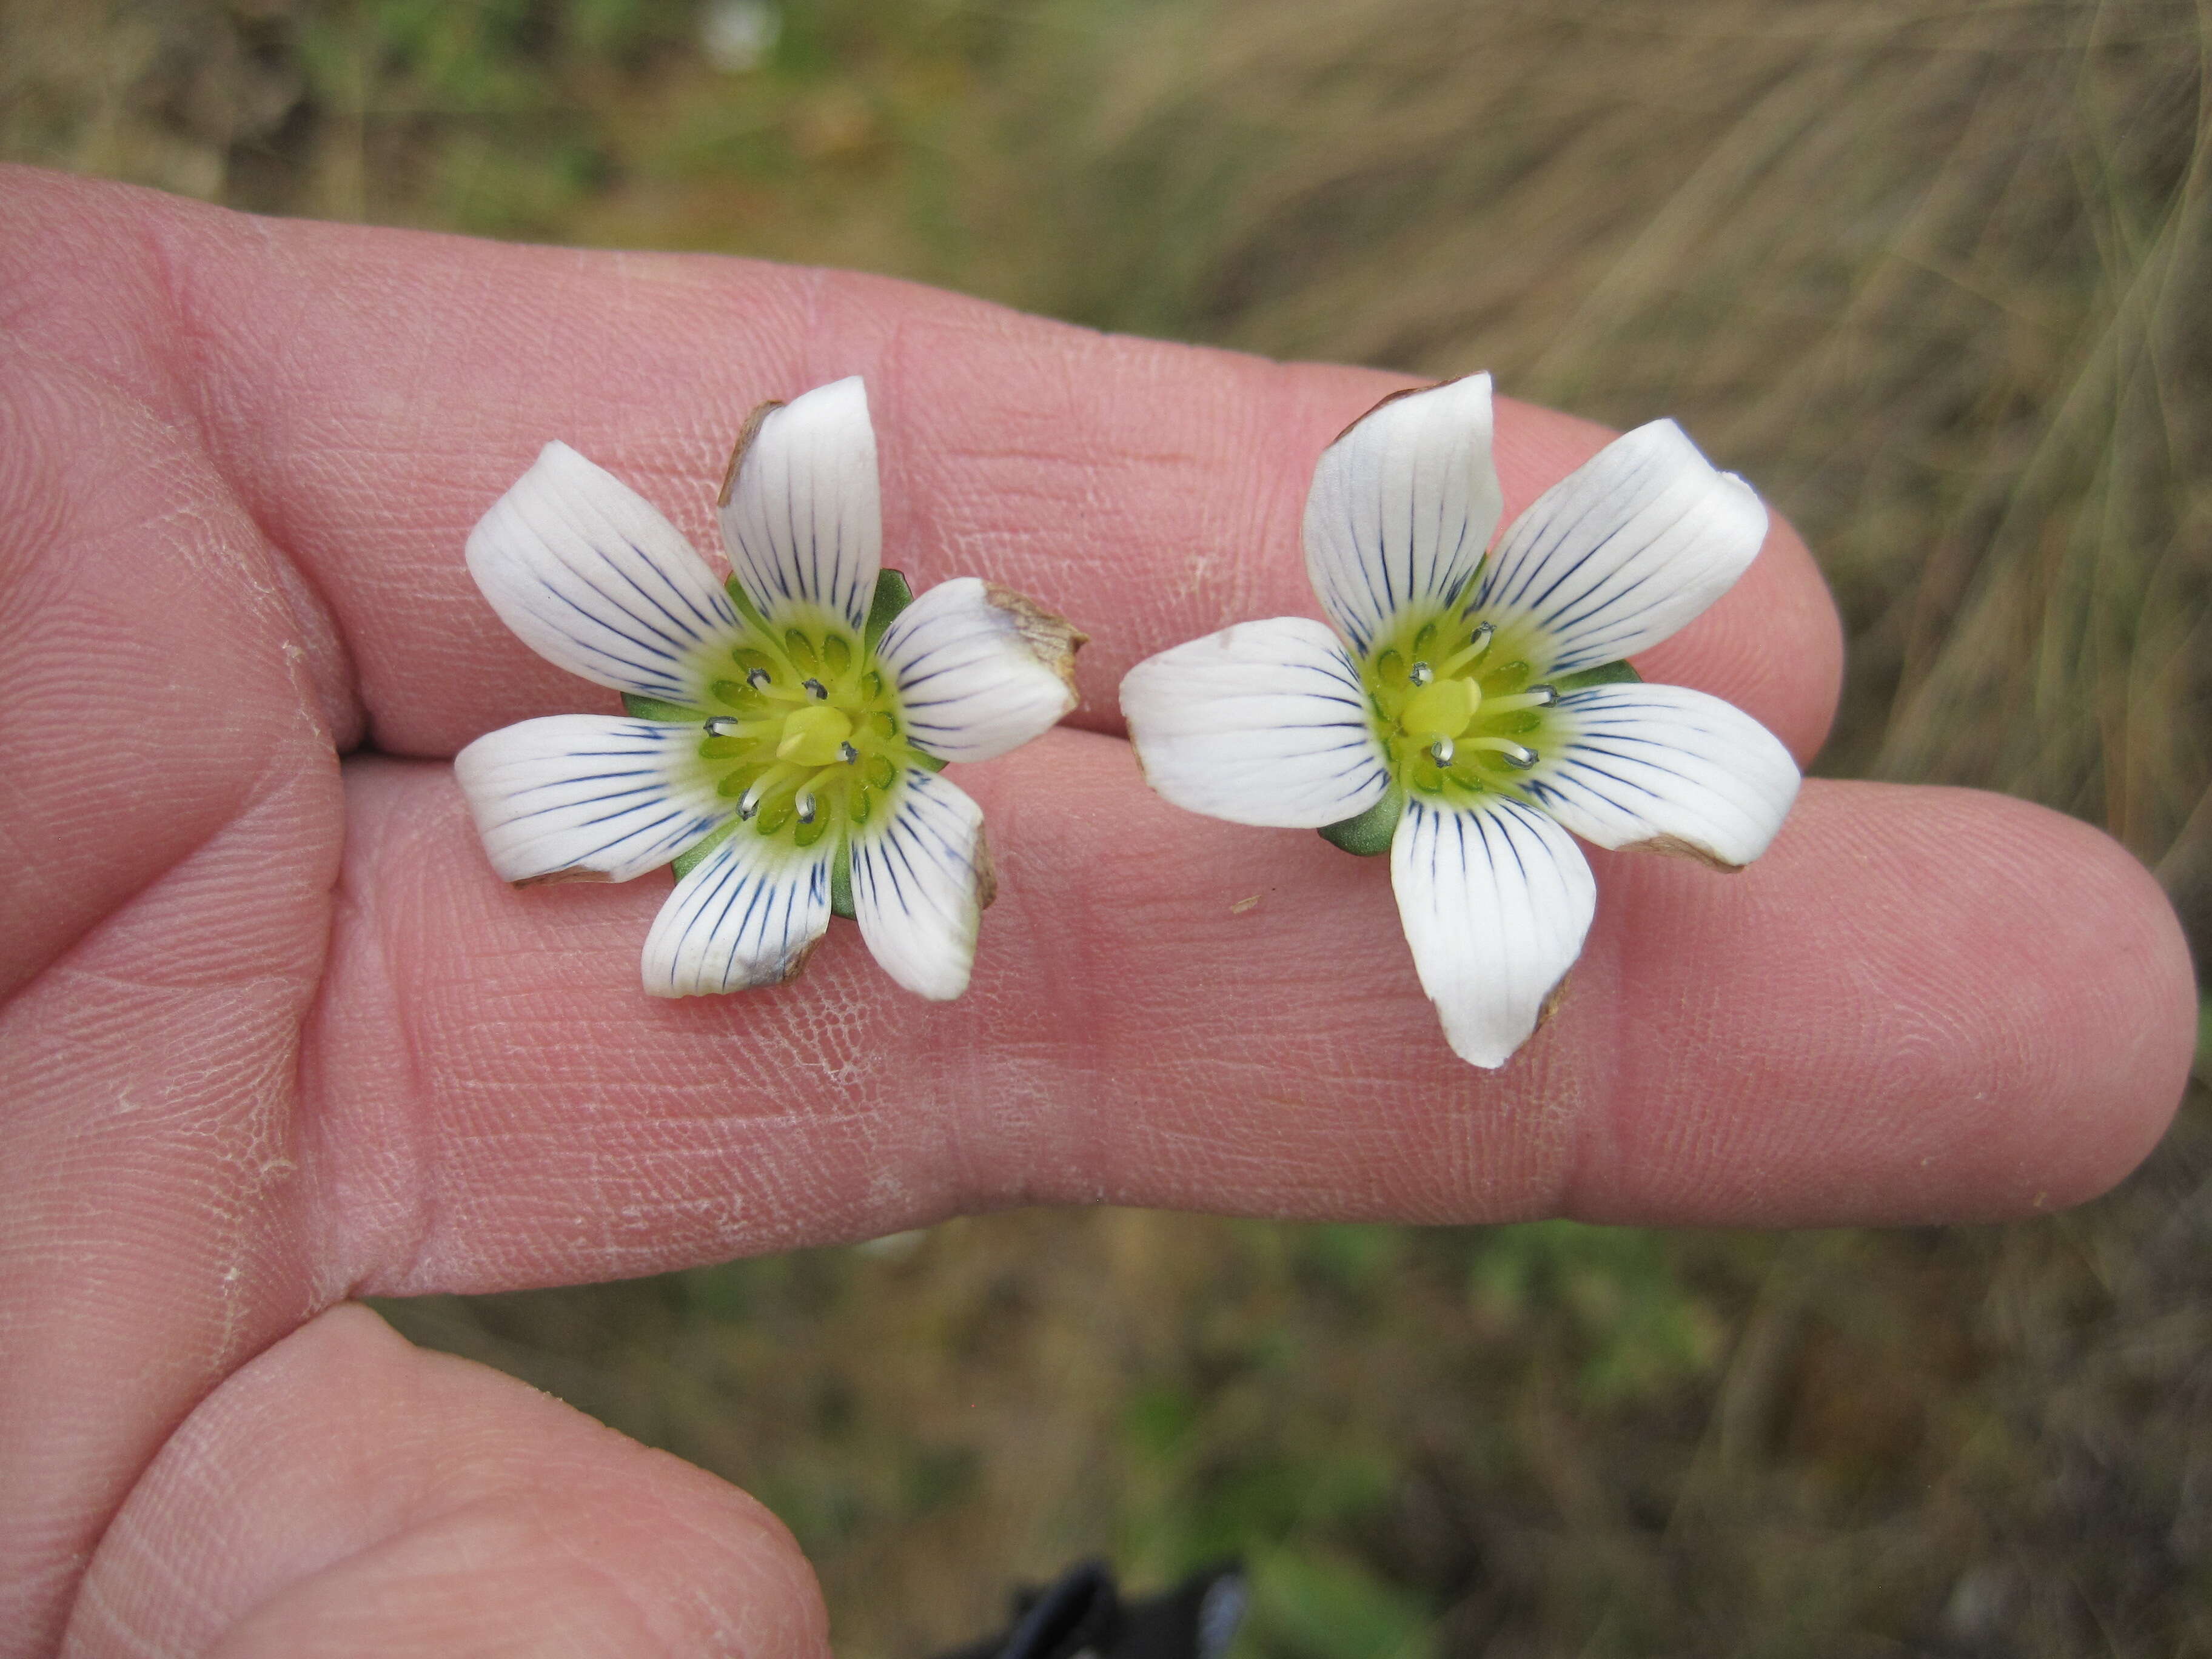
748,914
1402,506
921,875
1622,551
803,521
1668,767
580,565
586,796
1263,723
980,670
1496,900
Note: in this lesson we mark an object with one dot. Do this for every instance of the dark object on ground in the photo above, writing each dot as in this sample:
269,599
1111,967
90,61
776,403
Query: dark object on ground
1081,1612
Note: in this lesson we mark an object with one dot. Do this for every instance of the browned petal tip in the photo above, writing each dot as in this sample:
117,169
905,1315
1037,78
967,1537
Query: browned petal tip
745,436
795,963
1552,999
1673,847
986,872
554,878
1052,638
1402,391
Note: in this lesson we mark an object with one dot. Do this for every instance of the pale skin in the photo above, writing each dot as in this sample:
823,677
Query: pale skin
275,1037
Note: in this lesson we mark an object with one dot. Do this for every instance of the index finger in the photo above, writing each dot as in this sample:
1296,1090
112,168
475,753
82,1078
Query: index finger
369,393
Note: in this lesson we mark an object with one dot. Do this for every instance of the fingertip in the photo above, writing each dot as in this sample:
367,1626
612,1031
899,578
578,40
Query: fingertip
1921,1006
2119,1035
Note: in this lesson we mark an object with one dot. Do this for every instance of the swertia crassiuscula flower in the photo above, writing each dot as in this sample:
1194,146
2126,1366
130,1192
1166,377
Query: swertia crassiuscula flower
786,728
1472,706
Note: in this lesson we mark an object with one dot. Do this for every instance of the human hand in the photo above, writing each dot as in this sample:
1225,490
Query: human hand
276,1036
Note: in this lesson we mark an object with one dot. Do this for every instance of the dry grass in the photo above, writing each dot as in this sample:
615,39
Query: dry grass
1934,275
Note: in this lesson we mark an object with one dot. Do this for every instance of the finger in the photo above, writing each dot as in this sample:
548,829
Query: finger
347,1494
370,393
1883,1020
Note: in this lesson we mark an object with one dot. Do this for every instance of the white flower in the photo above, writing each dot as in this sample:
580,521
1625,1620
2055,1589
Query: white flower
1468,712
785,729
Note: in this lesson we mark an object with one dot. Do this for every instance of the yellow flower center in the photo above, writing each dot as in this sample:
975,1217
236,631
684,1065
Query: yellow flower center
1453,707
807,735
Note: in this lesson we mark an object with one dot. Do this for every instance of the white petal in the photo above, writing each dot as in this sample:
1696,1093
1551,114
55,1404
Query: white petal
920,878
1402,506
980,670
1624,550
580,565
803,520
1262,723
748,914
1665,765
1496,901
585,795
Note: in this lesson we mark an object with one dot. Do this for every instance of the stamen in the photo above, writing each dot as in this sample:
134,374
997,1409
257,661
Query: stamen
768,783
1472,651
722,726
762,682
1420,673
805,808
816,688
1536,696
846,753
1441,751
1516,756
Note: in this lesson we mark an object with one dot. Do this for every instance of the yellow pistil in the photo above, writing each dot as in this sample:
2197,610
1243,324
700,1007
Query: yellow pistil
1442,709
815,735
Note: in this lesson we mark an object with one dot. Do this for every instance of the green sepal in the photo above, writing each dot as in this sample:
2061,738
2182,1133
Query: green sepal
686,860
840,882
892,596
652,709
1370,832
746,608
1609,673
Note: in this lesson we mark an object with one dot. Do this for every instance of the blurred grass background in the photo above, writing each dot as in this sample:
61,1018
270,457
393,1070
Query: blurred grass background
1934,273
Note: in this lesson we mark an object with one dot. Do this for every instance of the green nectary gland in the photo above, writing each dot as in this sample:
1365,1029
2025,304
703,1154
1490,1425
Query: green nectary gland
805,735
1456,707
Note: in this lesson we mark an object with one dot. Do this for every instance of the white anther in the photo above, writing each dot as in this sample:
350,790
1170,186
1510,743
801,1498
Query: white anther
821,692
805,808
1517,756
721,726
846,753
1420,673
760,679
1441,751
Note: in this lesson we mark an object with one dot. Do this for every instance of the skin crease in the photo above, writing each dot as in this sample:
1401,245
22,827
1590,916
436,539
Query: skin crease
275,1035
